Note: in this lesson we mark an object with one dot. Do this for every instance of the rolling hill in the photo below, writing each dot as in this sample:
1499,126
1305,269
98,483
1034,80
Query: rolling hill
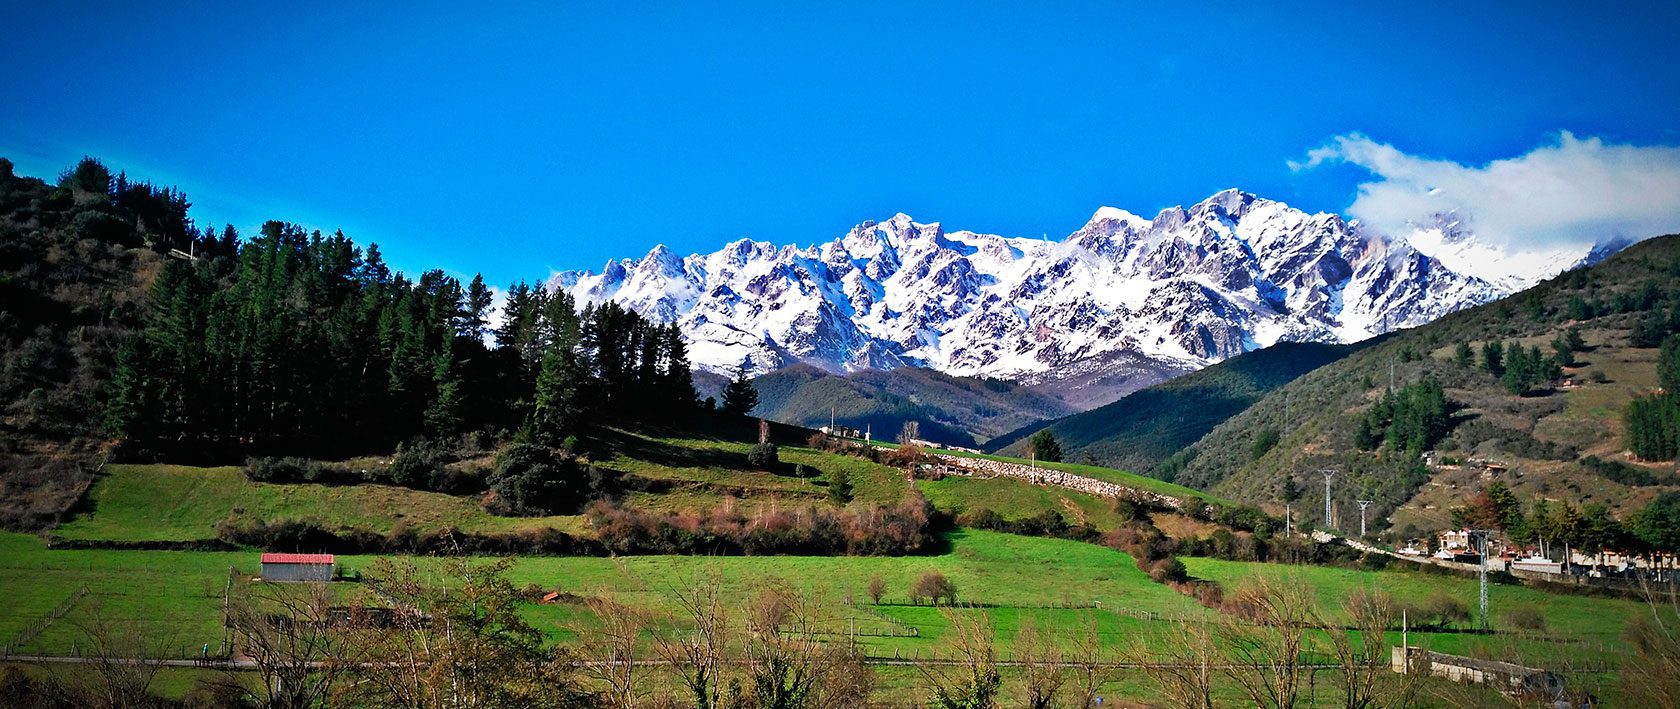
964,411
1143,429
1560,440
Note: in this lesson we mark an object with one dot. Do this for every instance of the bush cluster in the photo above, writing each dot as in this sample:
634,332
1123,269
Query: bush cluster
311,536
1048,523
875,530
420,465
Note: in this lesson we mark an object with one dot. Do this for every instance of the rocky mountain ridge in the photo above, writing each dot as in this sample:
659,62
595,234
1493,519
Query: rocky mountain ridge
1120,303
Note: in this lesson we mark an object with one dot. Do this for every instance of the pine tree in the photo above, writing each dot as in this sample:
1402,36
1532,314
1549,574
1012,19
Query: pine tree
1045,446
1668,365
560,405
477,313
740,397
1463,355
676,382
1493,358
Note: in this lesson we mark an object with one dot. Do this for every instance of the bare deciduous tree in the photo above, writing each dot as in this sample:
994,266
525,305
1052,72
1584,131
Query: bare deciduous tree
1181,659
1359,647
1651,675
696,654
974,681
1088,661
784,657
1263,639
609,650
454,638
120,659
286,630
877,589
847,679
1041,660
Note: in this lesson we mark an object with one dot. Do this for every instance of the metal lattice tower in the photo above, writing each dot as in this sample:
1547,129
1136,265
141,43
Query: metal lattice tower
1481,536
1362,505
1329,523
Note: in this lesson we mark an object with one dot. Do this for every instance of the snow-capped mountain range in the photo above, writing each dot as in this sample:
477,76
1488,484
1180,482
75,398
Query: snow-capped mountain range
1122,294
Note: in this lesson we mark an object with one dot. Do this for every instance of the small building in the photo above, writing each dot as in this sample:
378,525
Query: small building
297,567
1507,678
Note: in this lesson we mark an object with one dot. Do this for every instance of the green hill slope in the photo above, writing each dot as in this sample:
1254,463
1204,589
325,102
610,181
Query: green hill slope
1144,428
1542,438
952,410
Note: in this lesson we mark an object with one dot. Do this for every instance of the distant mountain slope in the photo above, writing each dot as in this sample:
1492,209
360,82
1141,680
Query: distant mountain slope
1124,297
1144,428
953,410
1542,439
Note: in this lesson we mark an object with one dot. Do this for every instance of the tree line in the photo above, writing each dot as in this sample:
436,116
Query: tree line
300,341
1589,529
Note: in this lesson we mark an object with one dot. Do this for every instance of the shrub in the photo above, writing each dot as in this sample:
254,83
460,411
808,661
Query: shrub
1445,609
840,486
1168,570
290,470
418,464
877,589
934,587
872,530
1526,618
763,455
533,480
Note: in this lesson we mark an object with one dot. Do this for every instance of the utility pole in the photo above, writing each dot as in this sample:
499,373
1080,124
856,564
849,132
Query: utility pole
1362,505
1288,525
1391,377
1329,523
830,420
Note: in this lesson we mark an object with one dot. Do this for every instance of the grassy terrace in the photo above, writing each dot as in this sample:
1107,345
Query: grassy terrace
182,503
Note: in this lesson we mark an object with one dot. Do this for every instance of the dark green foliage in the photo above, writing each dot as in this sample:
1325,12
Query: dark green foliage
304,341
1658,524
1652,425
840,486
1412,419
1526,370
1493,358
1291,491
763,456
1668,365
534,480
1045,447
1625,474
740,397
1464,355
1264,441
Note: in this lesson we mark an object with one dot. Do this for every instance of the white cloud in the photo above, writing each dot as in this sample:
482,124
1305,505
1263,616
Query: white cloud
1572,192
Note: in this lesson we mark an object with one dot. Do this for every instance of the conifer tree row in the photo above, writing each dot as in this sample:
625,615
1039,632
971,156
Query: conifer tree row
304,339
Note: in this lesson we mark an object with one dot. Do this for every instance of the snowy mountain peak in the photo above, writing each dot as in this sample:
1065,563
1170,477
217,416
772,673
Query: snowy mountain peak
1123,296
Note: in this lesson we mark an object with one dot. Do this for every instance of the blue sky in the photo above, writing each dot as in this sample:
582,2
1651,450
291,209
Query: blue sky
518,139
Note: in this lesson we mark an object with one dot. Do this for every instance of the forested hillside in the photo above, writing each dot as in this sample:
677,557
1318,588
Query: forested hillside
76,259
1539,391
1142,431
125,323
952,410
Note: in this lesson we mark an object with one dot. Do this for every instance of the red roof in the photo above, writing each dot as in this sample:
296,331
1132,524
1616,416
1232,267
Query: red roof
272,558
